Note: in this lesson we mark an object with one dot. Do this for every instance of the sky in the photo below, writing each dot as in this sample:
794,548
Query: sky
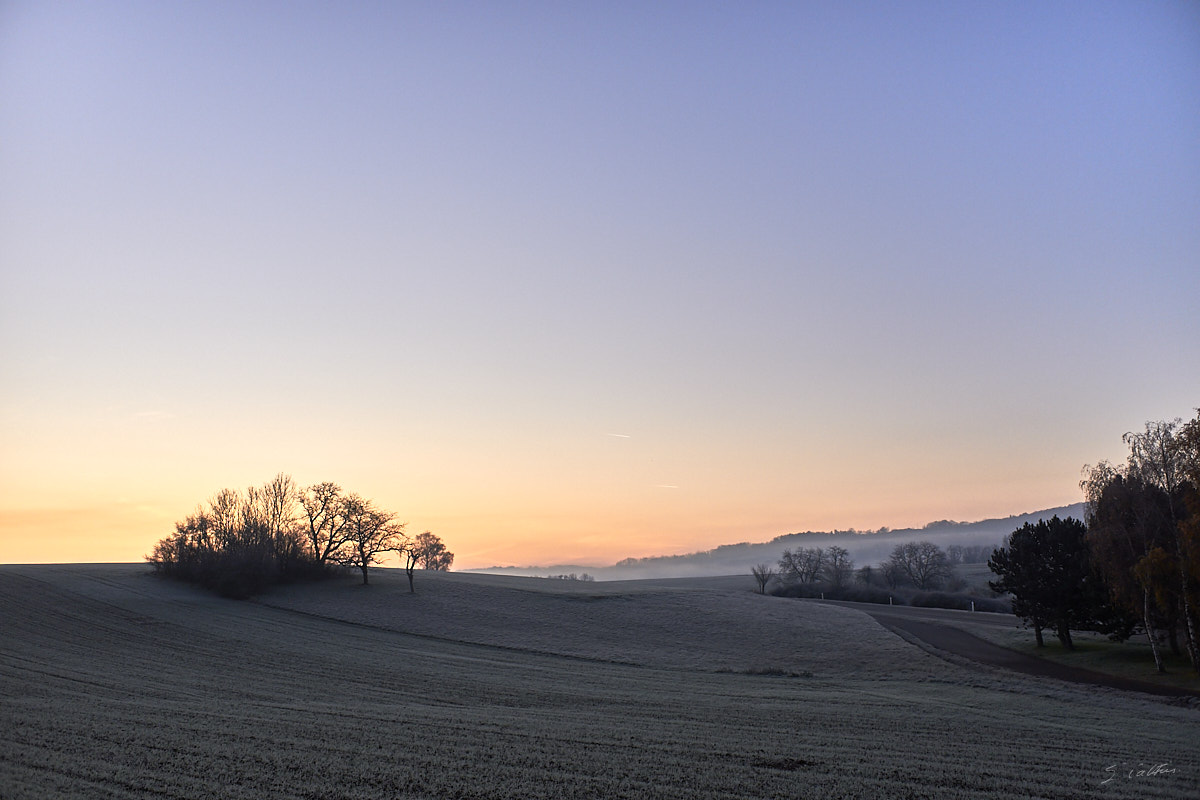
573,282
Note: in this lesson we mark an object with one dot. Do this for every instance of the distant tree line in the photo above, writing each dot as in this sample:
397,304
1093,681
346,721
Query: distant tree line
969,554
916,573
921,565
243,542
1133,566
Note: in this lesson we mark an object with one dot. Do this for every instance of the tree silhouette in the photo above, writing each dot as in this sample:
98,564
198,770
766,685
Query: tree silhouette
1047,569
324,521
803,565
370,532
431,553
763,573
924,564
838,566
242,542
1144,528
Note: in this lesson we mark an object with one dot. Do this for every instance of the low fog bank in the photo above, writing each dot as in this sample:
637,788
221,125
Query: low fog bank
865,547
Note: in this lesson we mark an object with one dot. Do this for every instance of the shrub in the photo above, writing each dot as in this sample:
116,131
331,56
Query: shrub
962,602
236,547
237,570
870,594
853,593
797,590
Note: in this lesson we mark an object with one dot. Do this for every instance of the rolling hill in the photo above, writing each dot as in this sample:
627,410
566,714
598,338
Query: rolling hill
866,547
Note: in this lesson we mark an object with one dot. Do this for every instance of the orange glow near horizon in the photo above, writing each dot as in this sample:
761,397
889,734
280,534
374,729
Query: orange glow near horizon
657,523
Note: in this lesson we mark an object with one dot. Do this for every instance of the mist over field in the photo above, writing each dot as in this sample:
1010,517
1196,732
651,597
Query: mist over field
117,684
865,547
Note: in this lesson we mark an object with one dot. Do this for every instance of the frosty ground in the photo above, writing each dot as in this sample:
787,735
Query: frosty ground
114,683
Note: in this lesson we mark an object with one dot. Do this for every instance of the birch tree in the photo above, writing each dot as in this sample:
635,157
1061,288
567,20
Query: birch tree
1127,521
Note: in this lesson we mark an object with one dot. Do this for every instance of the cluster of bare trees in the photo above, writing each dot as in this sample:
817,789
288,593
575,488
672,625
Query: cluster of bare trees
832,565
243,541
923,565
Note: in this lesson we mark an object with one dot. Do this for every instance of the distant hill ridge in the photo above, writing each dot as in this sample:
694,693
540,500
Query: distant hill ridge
865,547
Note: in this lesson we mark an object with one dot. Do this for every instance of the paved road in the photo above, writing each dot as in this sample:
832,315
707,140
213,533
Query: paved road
928,625
931,614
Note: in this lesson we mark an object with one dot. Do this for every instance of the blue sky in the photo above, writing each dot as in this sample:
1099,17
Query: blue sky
824,265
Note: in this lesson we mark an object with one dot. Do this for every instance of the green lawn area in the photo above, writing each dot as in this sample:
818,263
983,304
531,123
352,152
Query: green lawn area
1129,659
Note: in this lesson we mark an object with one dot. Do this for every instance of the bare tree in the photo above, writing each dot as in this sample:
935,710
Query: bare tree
279,497
225,517
763,573
269,514
1156,455
893,576
409,558
922,563
801,566
325,521
838,566
370,533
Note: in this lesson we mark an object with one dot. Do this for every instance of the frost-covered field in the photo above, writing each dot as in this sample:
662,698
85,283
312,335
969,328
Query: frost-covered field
115,684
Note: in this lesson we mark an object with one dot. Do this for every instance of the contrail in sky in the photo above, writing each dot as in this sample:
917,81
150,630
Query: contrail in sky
620,435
